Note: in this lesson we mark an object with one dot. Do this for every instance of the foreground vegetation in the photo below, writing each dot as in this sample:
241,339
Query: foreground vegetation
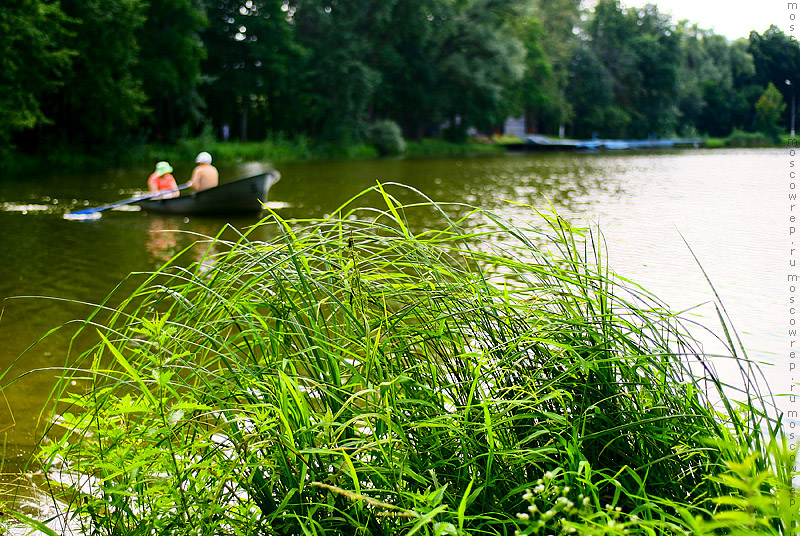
354,375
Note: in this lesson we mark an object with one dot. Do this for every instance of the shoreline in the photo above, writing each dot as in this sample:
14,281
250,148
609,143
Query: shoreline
281,151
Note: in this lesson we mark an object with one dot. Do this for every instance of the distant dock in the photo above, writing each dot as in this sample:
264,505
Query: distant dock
533,142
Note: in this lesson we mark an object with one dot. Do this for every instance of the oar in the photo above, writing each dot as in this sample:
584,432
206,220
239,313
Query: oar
123,202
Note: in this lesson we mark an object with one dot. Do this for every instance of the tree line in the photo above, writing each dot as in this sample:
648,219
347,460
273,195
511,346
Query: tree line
91,74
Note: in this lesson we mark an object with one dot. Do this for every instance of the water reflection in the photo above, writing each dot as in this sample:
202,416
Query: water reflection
570,182
162,239
189,240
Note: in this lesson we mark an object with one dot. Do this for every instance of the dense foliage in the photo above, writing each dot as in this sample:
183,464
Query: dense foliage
356,376
97,75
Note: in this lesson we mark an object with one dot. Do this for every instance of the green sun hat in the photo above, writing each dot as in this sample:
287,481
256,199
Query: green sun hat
162,168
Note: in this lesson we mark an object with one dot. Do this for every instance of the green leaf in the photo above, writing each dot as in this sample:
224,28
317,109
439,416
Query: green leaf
444,528
33,523
466,499
436,496
424,520
130,370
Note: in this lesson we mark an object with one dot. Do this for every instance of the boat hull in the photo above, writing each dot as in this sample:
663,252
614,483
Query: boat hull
240,196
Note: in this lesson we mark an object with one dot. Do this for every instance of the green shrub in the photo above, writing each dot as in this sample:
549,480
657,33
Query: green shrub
740,138
387,138
438,147
769,109
356,376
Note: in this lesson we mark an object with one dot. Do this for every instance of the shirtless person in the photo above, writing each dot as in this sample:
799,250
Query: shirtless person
204,176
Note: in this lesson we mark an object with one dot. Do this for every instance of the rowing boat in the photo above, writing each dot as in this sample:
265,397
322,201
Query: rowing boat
245,195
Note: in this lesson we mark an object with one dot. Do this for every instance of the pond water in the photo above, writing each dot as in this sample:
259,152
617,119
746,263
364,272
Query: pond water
730,207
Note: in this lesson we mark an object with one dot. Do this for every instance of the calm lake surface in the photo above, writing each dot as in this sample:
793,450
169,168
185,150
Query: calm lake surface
730,206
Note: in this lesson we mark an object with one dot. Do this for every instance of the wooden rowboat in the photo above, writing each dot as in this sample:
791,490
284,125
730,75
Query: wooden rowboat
244,195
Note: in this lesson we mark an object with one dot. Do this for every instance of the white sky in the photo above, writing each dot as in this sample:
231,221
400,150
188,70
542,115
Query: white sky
732,18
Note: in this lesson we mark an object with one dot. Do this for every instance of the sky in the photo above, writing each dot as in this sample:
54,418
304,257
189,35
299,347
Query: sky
732,18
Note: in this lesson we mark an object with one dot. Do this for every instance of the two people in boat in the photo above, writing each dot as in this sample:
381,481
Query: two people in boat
204,176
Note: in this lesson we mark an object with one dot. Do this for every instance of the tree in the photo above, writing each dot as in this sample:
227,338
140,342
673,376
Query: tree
448,61
636,54
479,60
769,108
540,93
745,85
707,99
252,62
776,58
341,72
169,66
603,73
558,20
591,92
33,59
102,99
406,58
657,48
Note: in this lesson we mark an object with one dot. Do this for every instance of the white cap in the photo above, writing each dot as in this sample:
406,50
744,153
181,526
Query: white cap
203,158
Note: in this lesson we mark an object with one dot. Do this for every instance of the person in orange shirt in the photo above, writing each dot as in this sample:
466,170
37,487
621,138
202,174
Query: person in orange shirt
204,176
162,181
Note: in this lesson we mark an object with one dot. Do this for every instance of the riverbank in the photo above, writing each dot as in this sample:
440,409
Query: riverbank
282,150
276,151
741,139
736,140
301,150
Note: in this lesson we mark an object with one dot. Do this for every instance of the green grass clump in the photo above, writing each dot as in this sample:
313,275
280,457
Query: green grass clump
740,138
438,147
387,137
355,376
271,150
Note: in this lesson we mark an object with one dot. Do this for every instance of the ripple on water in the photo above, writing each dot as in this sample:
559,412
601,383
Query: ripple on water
26,208
83,217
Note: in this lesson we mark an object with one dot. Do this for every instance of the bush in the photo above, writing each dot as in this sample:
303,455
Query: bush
740,138
387,138
354,376
435,147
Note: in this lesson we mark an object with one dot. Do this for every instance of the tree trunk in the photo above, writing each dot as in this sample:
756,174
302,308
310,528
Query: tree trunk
244,119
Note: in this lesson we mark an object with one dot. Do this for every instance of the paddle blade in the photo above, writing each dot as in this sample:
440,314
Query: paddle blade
86,211
83,215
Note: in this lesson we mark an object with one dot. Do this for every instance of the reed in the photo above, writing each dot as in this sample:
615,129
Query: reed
354,375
